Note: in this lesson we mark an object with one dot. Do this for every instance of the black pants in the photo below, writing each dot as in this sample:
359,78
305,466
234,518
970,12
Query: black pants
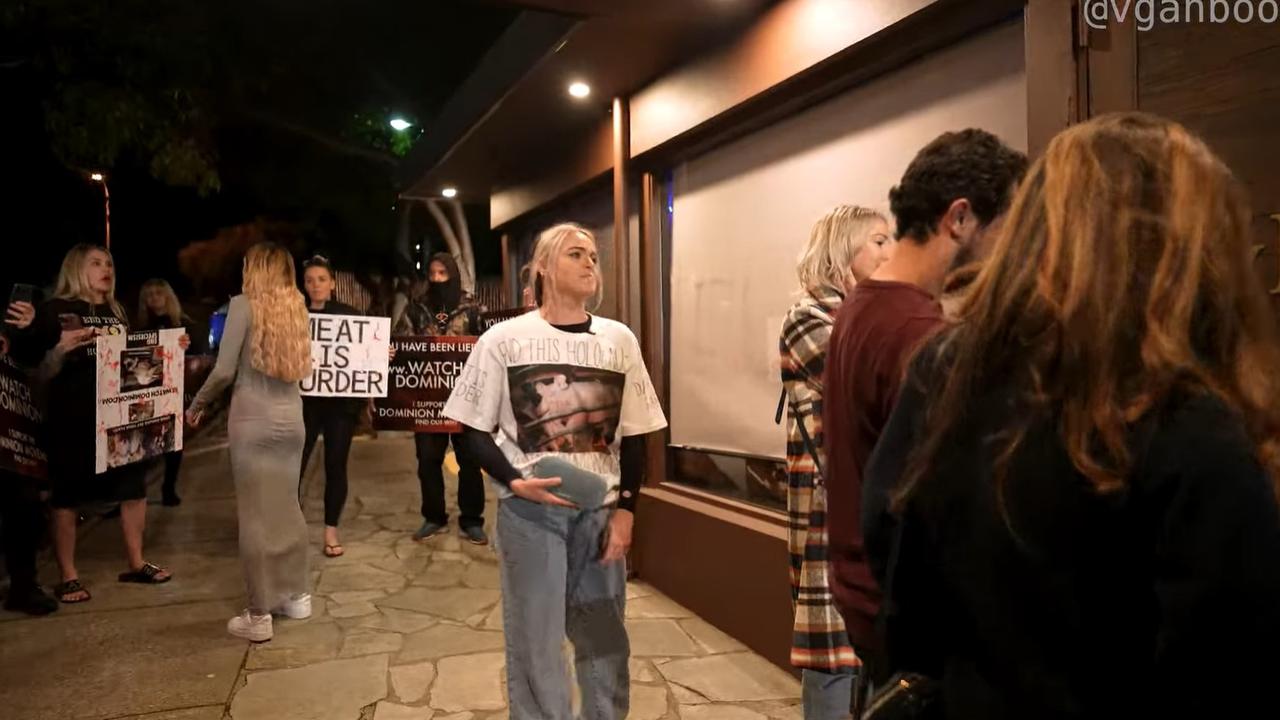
337,424
172,465
22,523
431,448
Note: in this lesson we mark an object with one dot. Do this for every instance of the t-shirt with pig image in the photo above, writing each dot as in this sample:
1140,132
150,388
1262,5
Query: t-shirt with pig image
547,394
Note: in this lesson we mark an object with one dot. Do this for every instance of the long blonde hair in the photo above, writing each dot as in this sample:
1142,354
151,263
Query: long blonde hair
836,239
72,284
281,333
172,308
546,250
1123,276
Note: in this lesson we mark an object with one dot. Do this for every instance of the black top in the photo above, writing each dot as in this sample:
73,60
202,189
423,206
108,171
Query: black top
491,458
198,344
1159,601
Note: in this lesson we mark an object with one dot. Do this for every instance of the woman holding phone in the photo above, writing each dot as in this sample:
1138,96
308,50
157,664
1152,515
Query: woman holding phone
333,417
265,351
567,493
159,309
66,327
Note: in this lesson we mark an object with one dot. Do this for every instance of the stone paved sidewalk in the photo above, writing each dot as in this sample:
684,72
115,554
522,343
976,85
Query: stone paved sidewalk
400,630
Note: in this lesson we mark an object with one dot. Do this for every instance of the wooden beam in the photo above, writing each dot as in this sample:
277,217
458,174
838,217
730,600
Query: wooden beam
1053,94
508,282
621,224
652,334
1113,67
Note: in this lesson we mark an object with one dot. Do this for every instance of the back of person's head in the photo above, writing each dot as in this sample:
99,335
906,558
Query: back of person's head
972,165
161,287
546,254
280,338
1123,275
73,277
834,241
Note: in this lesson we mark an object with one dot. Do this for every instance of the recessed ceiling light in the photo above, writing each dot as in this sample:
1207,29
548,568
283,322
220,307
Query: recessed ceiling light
579,89
449,192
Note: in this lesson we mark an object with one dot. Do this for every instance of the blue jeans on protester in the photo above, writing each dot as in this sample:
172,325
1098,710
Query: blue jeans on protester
554,586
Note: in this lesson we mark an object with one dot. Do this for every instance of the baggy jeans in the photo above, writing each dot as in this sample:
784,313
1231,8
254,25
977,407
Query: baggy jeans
554,586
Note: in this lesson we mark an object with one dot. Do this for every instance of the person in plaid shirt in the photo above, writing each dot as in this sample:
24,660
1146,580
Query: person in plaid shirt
844,247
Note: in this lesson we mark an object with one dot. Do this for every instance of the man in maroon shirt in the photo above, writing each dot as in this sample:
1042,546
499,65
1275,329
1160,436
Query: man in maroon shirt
947,207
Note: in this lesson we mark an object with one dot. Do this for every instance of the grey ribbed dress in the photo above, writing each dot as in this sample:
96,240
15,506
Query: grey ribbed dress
266,433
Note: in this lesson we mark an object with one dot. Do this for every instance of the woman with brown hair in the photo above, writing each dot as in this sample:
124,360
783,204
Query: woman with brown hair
266,350
1079,482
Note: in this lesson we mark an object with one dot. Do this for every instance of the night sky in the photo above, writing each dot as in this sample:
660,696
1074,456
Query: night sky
290,100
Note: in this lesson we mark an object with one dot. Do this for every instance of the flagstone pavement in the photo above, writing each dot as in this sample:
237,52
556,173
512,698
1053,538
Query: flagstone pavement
400,630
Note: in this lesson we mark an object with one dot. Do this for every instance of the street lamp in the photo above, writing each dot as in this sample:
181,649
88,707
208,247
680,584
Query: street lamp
399,124
106,203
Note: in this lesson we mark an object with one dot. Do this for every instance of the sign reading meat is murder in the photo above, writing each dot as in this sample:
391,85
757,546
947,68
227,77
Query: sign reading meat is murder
348,356
20,453
140,380
422,378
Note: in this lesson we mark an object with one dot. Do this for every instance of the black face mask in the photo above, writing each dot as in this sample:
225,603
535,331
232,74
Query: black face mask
444,295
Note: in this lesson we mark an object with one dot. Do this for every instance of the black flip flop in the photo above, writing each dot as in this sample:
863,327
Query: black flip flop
146,575
71,587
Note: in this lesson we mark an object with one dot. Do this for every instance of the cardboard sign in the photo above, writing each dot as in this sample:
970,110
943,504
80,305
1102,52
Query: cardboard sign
421,381
489,319
140,382
20,453
348,356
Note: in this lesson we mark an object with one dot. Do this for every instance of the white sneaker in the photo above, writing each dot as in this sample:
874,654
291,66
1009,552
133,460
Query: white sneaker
296,608
255,628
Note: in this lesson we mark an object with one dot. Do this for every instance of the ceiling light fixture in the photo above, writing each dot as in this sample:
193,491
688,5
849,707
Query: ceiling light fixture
579,90
449,192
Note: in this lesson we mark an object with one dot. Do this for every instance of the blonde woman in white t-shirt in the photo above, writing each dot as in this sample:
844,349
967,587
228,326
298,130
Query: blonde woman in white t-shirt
555,405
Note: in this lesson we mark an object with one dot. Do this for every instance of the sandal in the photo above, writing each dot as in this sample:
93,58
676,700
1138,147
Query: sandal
64,590
333,551
146,575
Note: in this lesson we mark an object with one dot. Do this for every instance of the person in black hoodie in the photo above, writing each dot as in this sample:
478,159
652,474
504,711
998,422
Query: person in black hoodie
159,309
444,310
333,417
83,307
1079,480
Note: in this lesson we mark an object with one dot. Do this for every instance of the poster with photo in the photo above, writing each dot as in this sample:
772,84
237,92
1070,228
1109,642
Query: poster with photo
349,356
489,319
421,381
20,452
140,396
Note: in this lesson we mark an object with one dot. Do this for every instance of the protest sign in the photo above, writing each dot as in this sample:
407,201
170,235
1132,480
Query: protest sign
489,319
422,378
19,424
140,382
348,356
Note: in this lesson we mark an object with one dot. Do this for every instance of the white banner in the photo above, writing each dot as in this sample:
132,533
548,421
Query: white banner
349,356
140,378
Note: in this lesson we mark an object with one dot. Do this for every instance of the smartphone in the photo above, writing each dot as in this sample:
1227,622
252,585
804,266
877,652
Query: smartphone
70,321
22,292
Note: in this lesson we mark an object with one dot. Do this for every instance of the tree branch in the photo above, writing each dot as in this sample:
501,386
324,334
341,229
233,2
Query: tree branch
321,138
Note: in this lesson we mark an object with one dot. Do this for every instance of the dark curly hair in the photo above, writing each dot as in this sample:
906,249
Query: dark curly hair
971,164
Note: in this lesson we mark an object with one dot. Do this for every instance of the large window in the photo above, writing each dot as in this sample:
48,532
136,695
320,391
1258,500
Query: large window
741,213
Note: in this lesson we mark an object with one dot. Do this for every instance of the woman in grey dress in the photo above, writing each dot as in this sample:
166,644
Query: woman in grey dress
266,350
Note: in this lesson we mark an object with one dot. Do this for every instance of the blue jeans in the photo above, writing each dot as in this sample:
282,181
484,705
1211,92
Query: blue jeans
554,586
826,696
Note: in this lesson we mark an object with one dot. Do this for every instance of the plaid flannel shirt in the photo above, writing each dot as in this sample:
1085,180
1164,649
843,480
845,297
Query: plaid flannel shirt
818,641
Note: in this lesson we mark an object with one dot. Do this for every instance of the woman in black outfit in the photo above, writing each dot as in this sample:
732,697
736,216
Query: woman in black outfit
159,309
333,417
1081,473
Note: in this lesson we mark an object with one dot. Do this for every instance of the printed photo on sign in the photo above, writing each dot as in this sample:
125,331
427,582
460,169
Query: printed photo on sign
565,408
141,369
19,424
421,379
141,440
349,356
140,396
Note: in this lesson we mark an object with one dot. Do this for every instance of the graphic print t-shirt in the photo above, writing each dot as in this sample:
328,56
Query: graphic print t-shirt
551,393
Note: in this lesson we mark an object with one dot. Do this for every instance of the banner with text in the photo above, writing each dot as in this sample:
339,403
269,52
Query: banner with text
140,382
422,378
348,356
489,319
19,424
